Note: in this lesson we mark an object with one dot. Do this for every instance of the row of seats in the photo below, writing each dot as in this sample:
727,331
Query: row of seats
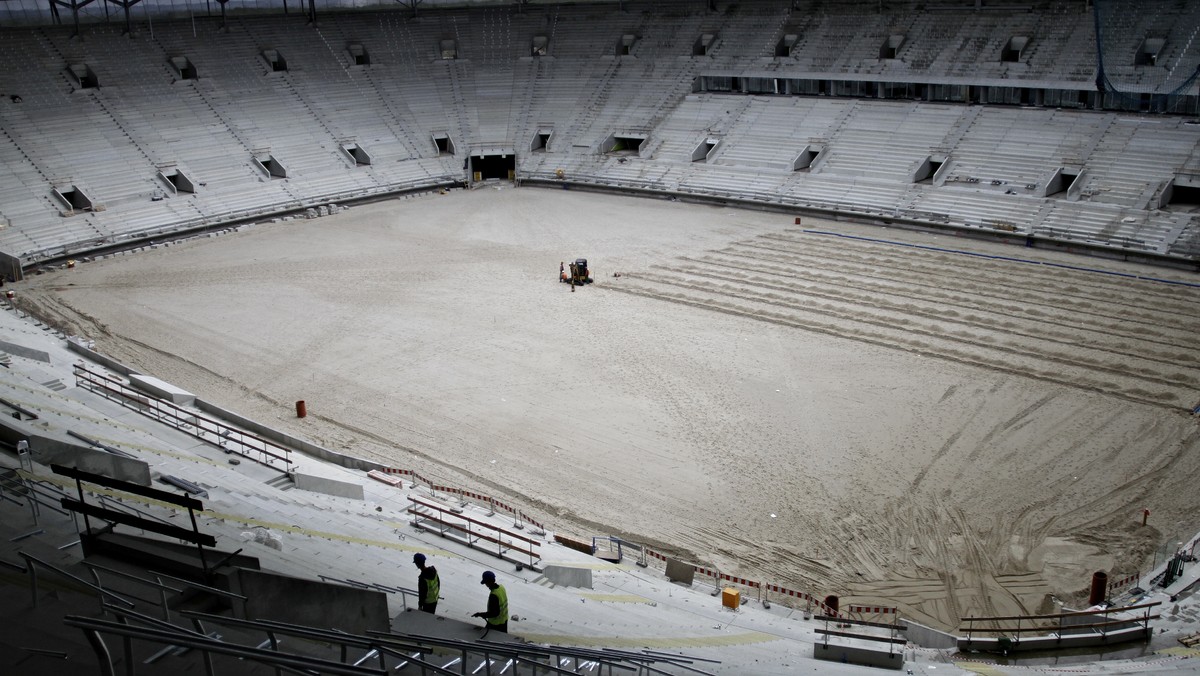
223,130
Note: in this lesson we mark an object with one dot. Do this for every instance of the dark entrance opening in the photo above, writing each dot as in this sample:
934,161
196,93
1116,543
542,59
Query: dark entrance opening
484,167
1061,182
178,181
183,67
74,198
359,54
1185,196
443,144
275,60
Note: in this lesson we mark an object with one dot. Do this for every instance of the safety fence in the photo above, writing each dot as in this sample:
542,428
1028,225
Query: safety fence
450,522
1119,583
519,517
764,588
387,475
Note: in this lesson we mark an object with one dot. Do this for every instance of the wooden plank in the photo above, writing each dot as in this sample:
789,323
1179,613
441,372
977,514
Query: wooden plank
385,478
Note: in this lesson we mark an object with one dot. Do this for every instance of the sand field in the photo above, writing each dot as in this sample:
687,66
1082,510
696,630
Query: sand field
949,434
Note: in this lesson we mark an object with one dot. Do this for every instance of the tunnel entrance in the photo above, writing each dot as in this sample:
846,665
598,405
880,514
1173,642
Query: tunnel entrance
502,166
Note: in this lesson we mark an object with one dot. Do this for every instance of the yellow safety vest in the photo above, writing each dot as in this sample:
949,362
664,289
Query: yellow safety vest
502,595
432,589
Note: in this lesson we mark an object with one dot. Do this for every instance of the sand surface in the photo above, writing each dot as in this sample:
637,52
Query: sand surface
949,434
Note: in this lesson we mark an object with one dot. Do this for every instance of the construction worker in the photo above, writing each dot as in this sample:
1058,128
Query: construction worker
496,615
428,585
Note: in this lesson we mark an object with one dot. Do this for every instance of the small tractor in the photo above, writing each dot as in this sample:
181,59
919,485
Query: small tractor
577,273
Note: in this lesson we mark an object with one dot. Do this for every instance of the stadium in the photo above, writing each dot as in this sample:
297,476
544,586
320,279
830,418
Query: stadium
887,304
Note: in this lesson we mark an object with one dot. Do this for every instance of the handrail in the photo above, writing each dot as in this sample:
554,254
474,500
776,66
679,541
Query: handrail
1075,613
201,587
410,642
13,566
33,574
487,649
509,649
312,634
402,591
191,423
162,588
93,627
130,576
40,491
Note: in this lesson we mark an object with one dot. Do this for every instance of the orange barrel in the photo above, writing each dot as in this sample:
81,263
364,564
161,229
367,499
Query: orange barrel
1099,588
301,409
797,220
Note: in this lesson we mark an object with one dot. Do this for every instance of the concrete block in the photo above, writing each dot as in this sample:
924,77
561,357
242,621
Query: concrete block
569,576
850,654
927,637
48,450
162,389
26,352
310,603
678,571
319,484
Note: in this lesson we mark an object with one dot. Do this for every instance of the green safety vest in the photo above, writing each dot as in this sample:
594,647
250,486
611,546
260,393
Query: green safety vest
502,596
432,589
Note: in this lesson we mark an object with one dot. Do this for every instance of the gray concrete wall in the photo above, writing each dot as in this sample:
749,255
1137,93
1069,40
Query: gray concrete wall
287,440
26,352
928,637
106,362
569,576
317,484
848,654
49,450
315,604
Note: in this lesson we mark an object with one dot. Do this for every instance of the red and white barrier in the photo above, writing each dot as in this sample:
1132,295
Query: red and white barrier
382,475
1127,581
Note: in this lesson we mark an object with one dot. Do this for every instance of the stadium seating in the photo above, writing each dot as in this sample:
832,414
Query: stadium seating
269,122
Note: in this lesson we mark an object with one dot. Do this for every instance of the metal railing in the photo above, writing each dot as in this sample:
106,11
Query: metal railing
32,567
449,523
38,495
227,438
389,651
93,628
182,586
402,591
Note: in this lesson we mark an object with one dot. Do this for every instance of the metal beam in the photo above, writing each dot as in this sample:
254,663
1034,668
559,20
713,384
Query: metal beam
126,5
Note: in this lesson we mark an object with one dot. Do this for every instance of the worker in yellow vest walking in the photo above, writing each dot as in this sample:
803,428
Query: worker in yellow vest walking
429,585
496,614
